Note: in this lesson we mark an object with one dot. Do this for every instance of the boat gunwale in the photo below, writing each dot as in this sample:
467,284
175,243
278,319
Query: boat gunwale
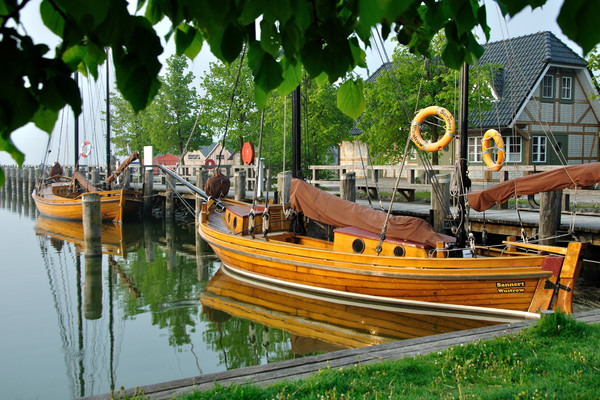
396,271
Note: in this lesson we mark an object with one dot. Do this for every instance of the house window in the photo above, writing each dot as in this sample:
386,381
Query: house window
538,150
513,148
475,149
548,87
566,88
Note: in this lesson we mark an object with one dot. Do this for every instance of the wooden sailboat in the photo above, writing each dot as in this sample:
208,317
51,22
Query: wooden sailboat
61,197
413,266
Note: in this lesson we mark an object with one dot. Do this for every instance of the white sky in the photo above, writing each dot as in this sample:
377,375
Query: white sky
32,141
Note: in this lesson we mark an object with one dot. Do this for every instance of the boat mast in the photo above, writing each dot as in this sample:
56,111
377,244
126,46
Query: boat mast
296,139
76,132
465,181
107,116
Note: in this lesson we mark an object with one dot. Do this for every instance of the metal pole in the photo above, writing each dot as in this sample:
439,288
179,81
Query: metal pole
461,234
296,139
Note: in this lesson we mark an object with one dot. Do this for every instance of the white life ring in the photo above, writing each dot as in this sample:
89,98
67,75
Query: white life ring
86,147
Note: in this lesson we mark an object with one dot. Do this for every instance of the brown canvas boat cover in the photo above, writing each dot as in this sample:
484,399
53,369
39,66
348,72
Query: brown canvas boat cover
560,178
332,210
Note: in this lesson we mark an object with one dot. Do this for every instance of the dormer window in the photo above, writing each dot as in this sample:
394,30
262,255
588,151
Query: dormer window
548,87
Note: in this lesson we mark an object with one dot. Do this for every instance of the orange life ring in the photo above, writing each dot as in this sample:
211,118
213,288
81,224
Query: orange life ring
248,153
86,147
415,128
492,134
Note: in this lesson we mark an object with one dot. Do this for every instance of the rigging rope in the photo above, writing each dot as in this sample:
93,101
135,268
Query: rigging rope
235,85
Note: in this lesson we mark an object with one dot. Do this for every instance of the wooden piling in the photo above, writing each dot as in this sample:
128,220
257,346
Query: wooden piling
550,212
440,201
348,186
92,290
240,185
148,179
284,181
8,180
170,198
92,224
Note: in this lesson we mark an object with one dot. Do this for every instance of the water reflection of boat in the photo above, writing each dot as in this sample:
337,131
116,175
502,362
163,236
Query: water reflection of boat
321,323
116,239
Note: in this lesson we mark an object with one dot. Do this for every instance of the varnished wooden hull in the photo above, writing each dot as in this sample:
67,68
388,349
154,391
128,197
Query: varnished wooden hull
116,240
343,324
115,205
516,283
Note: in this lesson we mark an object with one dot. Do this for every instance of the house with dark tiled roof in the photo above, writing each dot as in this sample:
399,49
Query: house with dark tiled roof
542,103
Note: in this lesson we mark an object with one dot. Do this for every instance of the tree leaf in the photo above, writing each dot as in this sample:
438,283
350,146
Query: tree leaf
270,39
350,99
578,20
52,18
45,119
266,71
292,77
260,97
188,41
232,42
137,66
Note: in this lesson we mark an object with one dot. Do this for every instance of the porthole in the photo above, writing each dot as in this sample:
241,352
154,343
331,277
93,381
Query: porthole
399,251
358,246
228,217
234,222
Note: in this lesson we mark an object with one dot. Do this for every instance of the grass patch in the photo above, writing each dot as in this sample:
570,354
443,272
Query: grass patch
556,358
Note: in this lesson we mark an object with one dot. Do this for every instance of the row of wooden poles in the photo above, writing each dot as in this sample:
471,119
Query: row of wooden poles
23,180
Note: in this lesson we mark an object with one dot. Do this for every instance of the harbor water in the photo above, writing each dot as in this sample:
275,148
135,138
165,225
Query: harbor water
154,307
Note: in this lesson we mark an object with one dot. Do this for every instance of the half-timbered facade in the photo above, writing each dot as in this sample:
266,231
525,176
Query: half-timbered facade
545,104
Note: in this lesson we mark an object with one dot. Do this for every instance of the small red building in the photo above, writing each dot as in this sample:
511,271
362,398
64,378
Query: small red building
168,160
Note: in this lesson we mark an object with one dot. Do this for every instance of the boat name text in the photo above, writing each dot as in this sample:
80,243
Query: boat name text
510,287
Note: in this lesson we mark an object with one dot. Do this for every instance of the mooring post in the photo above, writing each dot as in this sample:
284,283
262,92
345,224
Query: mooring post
348,186
170,198
148,179
440,201
171,249
550,208
32,179
92,290
284,182
201,178
92,224
8,180
240,184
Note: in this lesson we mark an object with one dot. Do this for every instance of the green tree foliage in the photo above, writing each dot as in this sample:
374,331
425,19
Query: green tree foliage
324,125
326,37
168,121
593,59
415,82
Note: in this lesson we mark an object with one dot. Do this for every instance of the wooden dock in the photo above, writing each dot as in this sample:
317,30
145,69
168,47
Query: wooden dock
304,367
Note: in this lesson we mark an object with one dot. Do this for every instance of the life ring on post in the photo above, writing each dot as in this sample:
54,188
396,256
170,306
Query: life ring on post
486,148
248,153
210,163
86,147
415,128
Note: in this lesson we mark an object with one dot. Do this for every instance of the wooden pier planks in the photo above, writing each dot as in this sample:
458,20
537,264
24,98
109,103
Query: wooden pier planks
304,367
